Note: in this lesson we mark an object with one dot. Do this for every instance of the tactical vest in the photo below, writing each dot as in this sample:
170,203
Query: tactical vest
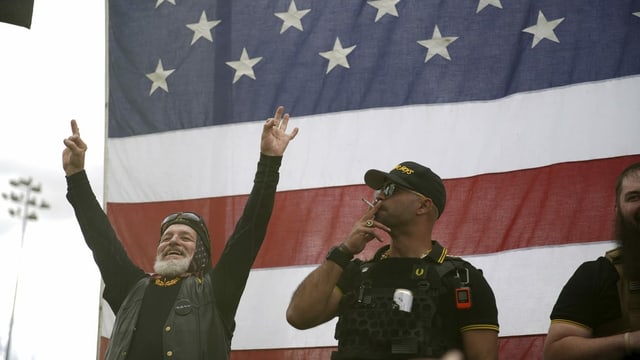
629,296
371,325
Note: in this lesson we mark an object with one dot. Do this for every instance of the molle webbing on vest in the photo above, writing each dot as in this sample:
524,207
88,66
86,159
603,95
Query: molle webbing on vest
372,327
628,293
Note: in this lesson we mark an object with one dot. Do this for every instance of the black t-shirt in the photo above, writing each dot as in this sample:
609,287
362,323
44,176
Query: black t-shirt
590,297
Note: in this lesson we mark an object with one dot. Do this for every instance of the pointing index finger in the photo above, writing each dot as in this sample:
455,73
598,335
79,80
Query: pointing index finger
279,113
74,128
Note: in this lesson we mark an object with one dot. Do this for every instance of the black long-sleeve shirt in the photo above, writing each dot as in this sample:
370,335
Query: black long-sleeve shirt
228,276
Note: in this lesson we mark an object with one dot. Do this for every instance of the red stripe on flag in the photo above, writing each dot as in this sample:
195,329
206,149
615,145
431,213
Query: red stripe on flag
558,204
322,353
512,347
521,347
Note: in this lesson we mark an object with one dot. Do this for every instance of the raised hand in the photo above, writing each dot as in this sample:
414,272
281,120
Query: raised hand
274,134
73,154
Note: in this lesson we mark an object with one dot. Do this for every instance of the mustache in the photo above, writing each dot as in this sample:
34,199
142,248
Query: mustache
173,249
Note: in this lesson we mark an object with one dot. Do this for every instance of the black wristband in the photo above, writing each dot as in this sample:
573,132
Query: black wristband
340,257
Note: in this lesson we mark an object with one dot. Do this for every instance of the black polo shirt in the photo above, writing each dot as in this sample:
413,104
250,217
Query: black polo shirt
590,297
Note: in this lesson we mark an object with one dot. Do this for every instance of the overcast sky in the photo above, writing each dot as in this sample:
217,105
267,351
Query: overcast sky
50,74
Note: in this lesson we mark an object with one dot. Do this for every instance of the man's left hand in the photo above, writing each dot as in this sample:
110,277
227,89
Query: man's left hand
274,134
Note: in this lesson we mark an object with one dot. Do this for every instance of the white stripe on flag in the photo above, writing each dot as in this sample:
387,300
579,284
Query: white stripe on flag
580,122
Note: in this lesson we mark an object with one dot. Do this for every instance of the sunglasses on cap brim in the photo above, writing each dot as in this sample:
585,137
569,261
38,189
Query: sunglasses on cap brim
188,216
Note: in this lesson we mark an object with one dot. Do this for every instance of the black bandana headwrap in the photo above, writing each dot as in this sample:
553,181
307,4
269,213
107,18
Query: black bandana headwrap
201,261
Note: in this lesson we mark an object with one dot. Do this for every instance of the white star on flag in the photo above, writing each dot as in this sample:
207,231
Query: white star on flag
384,7
159,2
337,56
159,78
244,66
543,29
292,17
636,14
484,3
437,45
202,29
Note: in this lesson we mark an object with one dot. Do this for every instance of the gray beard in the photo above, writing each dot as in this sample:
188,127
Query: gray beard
171,268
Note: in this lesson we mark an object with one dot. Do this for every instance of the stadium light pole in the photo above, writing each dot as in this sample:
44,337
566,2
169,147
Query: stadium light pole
24,206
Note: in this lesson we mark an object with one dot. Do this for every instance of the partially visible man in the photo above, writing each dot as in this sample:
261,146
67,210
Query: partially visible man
187,308
411,301
597,314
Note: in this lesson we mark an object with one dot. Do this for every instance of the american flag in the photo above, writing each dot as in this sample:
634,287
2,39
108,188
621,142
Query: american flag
527,109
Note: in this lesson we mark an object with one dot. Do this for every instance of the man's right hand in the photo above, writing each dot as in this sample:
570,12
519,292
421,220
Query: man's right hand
364,230
73,154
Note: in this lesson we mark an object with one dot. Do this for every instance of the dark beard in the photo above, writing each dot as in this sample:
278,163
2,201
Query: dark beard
628,235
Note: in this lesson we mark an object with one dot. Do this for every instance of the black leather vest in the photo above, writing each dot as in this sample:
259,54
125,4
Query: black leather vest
192,331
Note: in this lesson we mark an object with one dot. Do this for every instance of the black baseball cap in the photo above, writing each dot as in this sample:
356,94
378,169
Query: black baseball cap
414,176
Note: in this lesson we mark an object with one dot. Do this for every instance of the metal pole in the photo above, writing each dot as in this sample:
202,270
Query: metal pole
13,311
15,291
25,218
